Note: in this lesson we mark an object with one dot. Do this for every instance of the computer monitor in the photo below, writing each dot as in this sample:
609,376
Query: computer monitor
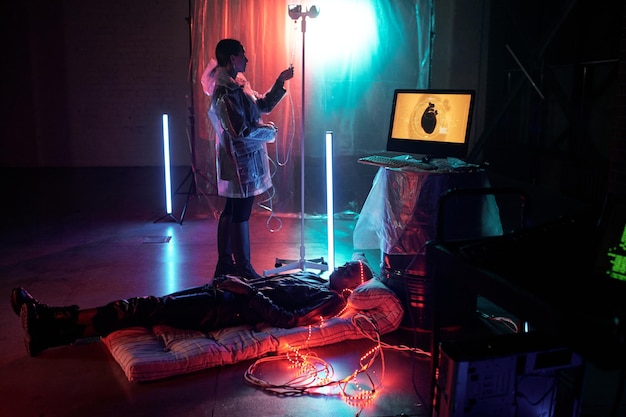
431,123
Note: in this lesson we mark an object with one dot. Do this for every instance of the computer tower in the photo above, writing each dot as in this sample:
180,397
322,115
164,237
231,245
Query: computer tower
520,375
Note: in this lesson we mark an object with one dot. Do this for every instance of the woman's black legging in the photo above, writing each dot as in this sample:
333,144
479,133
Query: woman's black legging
239,209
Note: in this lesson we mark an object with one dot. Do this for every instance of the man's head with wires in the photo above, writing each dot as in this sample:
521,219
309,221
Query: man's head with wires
346,278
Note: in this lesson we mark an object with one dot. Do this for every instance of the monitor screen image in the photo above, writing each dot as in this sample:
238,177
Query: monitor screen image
434,123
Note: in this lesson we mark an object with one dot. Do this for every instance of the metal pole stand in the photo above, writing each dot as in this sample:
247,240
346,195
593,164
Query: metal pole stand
303,264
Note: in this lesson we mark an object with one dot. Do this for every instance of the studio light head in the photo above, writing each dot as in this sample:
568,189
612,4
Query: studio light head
295,11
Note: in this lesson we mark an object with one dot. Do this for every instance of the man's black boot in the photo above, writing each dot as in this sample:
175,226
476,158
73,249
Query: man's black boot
46,327
225,264
240,237
20,296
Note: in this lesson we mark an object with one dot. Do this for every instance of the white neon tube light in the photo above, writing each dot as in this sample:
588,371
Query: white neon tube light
330,211
166,163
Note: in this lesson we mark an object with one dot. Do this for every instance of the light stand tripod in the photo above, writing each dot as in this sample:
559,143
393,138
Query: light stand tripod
295,12
192,191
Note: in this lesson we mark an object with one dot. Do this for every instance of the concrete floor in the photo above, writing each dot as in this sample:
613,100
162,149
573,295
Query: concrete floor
89,236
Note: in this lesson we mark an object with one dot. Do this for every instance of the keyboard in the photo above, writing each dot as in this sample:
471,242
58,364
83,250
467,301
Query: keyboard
395,162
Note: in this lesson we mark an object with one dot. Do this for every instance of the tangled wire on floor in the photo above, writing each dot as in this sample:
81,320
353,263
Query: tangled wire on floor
312,375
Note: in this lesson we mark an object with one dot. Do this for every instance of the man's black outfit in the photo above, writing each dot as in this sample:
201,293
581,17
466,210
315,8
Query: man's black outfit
285,301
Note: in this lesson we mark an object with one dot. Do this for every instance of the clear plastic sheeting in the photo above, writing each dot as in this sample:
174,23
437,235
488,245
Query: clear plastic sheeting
401,212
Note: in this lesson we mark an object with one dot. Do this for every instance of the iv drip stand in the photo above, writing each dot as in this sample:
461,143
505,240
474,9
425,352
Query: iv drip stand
302,263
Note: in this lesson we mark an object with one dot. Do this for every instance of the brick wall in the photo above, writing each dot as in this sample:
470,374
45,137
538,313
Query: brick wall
90,81
126,66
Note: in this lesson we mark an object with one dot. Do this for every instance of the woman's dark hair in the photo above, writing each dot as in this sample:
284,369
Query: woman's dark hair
225,48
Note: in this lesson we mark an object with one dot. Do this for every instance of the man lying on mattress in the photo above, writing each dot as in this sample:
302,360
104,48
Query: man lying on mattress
286,300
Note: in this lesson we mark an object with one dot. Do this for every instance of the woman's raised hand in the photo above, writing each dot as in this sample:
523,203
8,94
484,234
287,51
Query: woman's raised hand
286,74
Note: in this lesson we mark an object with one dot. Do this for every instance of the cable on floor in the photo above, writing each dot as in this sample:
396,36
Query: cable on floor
316,376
